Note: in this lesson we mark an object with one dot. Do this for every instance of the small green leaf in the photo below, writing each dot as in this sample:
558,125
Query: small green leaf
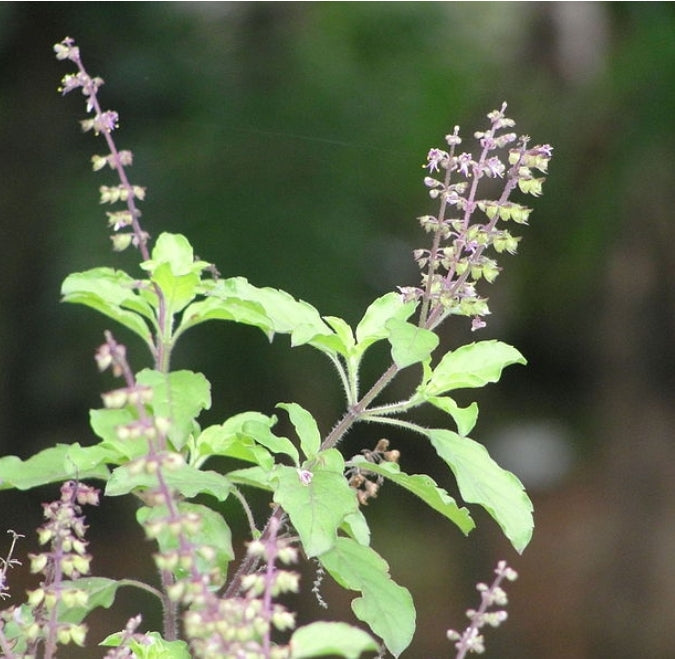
373,325
175,250
317,508
225,308
481,480
105,422
305,426
49,466
188,480
319,639
409,344
153,646
464,417
384,605
470,366
251,477
178,291
343,332
213,532
356,526
178,396
425,488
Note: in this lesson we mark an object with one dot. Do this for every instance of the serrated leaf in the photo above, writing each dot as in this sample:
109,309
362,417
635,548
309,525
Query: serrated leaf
425,488
319,639
372,327
111,292
305,427
472,365
49,466
188,480
409,344
178,396
384,605
317,508
213,532
464,417
481,480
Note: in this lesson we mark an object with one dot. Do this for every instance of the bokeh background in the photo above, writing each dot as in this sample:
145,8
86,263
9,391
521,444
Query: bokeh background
286,139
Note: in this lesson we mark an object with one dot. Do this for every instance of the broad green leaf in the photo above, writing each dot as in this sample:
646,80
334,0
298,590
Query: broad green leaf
86,458
425,488
112,293
409,344
373,325
178,290
343,332
236,439
225,308
104,422
317,508
356,526
49,466
481,480
305,427
472,365
179,396
252,477
287,315
384,605
464,417
261,433
337,639
100,591
213,532
175,250
188,480
153,646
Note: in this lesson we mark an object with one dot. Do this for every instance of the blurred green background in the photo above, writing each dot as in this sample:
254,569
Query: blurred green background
286,141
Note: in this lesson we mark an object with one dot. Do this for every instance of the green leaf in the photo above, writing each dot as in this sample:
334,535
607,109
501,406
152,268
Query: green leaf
49,466
175,250
178,291
481,480
409,344
319,639
100,593
213,532
112,293
464,417
153,646
236,438
356,526
305,427
286,314
373,325
424,487
178,396
252,477
104,422
188,480
384,605
225,308
261,433
472,365
316,509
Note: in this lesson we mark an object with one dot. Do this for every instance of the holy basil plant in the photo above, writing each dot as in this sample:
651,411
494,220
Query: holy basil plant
149,441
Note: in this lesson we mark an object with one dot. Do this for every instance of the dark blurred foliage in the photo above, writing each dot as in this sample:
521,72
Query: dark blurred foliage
285,140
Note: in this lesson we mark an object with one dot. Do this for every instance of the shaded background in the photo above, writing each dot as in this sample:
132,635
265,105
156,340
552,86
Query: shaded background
286,141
